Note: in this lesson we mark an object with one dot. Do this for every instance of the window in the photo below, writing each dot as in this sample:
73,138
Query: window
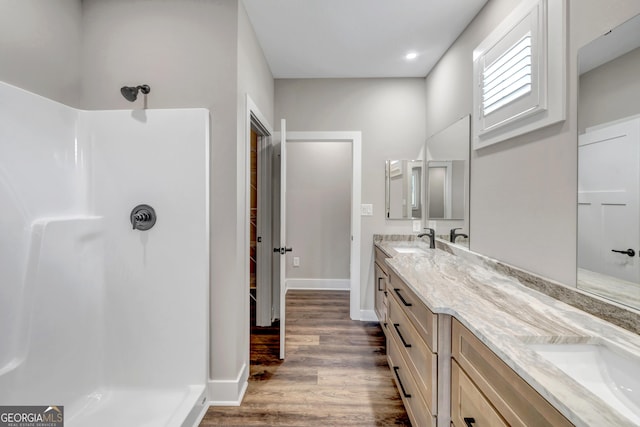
519,75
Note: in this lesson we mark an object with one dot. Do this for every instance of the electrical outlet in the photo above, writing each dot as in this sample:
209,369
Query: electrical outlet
296,261
417,226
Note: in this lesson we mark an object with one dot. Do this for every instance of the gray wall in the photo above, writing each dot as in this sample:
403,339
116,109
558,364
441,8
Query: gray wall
319,209
40,47
523,191
389,112
610,92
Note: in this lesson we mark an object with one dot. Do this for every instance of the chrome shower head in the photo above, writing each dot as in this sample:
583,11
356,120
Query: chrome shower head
131,92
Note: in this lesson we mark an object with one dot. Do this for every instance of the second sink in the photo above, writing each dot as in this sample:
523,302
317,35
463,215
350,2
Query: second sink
612,375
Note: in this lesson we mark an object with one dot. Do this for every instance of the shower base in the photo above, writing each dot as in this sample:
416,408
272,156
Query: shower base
137,407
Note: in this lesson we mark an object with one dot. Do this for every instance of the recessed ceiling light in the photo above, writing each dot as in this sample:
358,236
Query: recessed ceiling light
411,55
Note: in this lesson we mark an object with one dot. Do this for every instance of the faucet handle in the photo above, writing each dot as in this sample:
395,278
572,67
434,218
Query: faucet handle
430,230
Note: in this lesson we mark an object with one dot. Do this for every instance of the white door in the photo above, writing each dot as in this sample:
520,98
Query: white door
608,200
283,249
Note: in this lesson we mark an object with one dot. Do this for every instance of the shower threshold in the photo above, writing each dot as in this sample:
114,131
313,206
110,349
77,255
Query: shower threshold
137,407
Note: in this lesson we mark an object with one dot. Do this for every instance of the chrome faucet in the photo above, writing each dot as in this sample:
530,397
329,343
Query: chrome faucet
431,233
453,235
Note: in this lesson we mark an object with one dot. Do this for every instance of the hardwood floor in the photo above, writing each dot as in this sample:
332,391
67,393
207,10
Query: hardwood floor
335,372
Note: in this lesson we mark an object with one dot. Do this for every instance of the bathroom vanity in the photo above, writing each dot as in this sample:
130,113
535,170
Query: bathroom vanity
471,346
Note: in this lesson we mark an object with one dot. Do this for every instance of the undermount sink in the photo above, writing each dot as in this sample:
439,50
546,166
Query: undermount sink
612,375
409,250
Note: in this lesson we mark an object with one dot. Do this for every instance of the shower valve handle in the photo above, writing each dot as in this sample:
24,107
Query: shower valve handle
142,217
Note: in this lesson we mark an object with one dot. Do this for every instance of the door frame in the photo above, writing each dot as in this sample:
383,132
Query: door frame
355,139
255,119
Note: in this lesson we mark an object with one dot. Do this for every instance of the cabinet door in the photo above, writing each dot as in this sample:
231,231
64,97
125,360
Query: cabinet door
518,403
380,288
468,405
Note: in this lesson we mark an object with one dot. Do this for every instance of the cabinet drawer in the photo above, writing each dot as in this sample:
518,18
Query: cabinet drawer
516,401
468,402
420,360
414,404
422,318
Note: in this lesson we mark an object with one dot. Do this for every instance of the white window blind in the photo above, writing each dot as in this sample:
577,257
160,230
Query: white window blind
508,78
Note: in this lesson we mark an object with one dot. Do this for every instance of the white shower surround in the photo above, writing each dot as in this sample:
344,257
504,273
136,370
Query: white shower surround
108,321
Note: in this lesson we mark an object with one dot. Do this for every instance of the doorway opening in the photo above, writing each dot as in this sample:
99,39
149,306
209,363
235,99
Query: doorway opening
353,282
264,331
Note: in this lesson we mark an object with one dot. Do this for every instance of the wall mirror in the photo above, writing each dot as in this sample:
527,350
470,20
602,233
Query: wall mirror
609,165
403,184
447,179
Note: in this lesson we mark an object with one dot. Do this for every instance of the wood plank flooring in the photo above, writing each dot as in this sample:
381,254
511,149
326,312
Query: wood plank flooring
335,372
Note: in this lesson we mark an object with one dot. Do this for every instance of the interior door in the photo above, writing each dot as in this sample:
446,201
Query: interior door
608,205
283,249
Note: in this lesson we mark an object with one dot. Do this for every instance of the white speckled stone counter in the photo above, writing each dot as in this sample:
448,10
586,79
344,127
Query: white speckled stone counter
506,315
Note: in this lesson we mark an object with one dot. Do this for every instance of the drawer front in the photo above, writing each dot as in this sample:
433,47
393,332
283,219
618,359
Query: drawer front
468,403
420,360
517,402
414,404
422,318
380,257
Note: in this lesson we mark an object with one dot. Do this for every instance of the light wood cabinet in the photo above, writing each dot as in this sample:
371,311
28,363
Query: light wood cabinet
412,337
485,388
445,375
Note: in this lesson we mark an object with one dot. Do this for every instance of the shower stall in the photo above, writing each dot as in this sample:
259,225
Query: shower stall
97,315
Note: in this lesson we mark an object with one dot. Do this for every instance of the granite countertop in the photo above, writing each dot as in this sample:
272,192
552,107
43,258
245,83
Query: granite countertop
505,315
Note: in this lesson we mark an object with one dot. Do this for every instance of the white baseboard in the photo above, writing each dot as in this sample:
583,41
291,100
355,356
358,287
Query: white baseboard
228,392
368,316
319,284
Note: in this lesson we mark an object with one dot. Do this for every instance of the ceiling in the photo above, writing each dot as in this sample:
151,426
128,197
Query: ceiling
357,38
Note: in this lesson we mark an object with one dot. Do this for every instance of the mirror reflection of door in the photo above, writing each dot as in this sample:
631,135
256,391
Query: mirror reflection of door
609,165
439,202
403,189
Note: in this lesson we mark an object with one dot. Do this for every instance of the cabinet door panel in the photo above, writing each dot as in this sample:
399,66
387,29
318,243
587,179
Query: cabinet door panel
380,290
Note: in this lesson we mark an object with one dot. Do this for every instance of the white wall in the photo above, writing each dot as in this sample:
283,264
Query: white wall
389,112
523,191
40,47
319,209
610,92
33,131
156,280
